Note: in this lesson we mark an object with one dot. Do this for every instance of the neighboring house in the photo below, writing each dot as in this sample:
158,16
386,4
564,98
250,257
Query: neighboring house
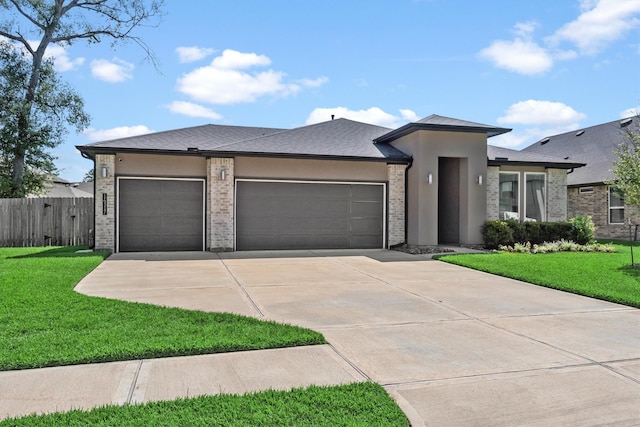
336,184
588,193
59,187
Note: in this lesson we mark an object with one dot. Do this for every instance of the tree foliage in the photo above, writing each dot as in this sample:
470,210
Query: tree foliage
55,106
34,25
627,167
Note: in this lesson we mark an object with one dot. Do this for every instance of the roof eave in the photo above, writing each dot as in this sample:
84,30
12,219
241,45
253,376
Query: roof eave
548,165
412,127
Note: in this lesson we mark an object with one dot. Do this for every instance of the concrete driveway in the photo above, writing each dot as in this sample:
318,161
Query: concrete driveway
453,346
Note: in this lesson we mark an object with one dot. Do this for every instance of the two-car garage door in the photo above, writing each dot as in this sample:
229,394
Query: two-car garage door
309,215
168,215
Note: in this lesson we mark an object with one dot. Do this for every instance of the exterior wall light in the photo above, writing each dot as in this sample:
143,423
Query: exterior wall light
223,174
479,179
429,178
105,171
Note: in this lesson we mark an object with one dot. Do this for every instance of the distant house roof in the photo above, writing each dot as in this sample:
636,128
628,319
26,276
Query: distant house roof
594,146
59,187
497,156
435,122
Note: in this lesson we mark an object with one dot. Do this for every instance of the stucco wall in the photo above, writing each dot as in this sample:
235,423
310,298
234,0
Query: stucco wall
427,147
160,165
330,170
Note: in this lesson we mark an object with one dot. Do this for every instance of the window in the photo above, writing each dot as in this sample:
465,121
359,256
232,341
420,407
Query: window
616,206
586,190
509,196
535,197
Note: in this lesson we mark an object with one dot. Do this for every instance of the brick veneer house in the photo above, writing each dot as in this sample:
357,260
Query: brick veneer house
588,191
337,184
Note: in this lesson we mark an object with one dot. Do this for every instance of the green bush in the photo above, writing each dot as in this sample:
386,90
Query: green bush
496,233
582,229
507,233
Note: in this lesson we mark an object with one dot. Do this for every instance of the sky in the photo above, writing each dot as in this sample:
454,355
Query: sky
539,67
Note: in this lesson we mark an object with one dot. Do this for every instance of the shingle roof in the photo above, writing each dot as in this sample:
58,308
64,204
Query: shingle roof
500,156
206,137
340,138
436,122
593,145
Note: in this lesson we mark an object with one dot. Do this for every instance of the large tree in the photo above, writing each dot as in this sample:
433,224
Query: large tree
627,166
61,22
55,106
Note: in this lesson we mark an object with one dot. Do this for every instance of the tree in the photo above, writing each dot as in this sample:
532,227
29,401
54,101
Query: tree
61,22
88,177
627,167
55,106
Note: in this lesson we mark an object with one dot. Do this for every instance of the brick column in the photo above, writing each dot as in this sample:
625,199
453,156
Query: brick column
395,174
105,226
556,195
493,196
220,199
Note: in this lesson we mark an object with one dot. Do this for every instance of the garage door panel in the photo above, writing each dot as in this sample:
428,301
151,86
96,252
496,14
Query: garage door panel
285,215
160,215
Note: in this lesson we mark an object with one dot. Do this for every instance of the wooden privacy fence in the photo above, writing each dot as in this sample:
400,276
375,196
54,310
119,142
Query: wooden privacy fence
46,221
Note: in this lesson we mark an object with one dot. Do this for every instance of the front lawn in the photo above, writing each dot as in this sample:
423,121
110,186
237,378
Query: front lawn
46,323
606,276
362,404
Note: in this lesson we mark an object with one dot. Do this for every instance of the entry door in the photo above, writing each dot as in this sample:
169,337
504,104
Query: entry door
448,200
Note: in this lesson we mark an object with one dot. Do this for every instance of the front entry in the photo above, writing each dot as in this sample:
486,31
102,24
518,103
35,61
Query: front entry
448,200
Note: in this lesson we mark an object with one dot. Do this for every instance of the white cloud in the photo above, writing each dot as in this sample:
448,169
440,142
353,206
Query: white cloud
630,112
537,119
521,55
193,53
114,71
61,59
115,133
600,23
542,113
373,115
229,79
193,110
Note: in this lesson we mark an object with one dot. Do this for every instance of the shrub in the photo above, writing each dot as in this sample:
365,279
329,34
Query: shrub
507,233
558,246
496,233
582,229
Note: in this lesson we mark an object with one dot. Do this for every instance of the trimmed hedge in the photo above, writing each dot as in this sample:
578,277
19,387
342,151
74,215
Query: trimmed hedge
509,232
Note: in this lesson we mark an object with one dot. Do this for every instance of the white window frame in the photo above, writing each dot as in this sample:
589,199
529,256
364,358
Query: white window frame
517,173
546,192
585,190
611,208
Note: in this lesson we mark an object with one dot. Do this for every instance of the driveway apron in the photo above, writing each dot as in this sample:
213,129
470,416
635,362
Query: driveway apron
453,346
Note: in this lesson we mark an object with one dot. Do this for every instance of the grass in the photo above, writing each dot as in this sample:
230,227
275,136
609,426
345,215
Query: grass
361,404
46,323
606,276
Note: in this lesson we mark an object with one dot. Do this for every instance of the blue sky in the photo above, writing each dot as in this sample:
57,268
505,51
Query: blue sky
540,67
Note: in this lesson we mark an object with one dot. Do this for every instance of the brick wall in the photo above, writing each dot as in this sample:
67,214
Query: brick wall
396,203
220,198
493,198
596,204
105,227
556,195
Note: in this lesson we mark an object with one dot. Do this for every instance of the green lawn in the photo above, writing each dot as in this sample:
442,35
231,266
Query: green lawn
363,404
607,276
46,323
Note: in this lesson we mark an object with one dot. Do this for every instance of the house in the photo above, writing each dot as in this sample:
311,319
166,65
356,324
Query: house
60,187
336,184
588,191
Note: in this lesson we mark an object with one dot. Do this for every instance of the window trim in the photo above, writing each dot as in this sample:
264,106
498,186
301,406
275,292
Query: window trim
611,208
585,190
517,173
546,192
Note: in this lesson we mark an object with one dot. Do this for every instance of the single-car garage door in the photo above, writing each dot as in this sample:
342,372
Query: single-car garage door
294,215
160,215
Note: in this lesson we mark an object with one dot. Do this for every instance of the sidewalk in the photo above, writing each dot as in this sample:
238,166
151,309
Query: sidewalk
116,383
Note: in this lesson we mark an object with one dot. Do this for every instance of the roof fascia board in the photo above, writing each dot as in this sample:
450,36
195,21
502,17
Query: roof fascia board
548,165
412,127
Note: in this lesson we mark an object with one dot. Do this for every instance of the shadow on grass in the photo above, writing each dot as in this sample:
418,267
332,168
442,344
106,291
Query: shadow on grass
631,270
63,252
